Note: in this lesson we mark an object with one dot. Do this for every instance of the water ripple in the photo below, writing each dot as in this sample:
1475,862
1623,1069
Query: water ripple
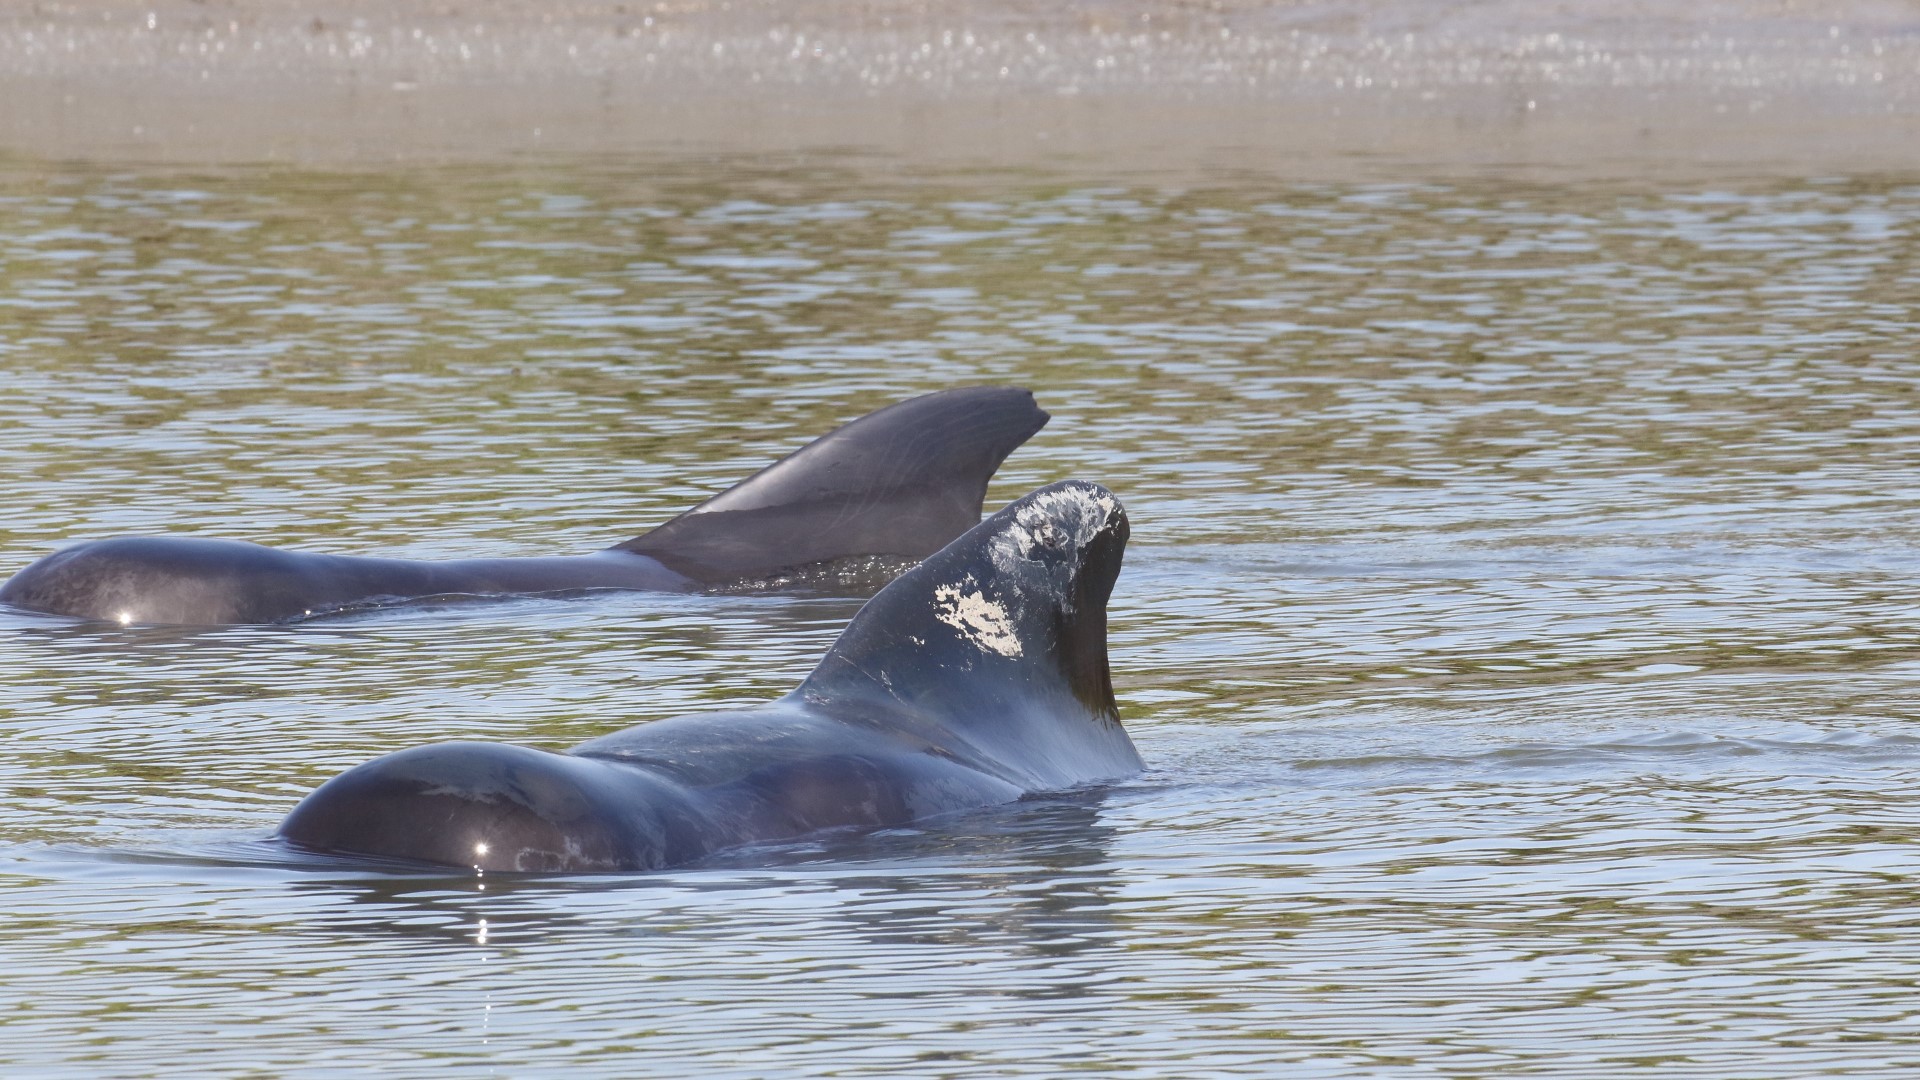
1518,625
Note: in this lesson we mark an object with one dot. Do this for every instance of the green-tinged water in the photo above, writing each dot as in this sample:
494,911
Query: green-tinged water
1520,621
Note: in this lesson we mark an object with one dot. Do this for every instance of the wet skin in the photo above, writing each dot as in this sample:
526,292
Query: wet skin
899,482
975,678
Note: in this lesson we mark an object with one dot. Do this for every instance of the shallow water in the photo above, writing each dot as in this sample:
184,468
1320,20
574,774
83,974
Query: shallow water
1519,623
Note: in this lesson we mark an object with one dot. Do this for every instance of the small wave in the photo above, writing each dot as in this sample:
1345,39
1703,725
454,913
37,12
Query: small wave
1649,748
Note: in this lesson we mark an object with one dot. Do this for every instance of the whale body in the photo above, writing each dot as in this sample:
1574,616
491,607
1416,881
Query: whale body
975,678
899,482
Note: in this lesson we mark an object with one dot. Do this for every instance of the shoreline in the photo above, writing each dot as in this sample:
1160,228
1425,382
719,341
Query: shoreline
1299,90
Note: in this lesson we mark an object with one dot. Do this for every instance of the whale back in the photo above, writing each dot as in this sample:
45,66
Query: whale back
998,644
901,481
977,677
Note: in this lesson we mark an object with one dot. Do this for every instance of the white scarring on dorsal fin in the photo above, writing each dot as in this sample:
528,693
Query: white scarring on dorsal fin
983,622
1065,519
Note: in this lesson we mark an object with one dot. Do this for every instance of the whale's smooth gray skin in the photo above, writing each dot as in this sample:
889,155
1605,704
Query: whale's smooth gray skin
898,482
976,677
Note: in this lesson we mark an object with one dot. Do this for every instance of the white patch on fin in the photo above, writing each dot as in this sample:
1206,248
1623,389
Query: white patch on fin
982,621
1067,518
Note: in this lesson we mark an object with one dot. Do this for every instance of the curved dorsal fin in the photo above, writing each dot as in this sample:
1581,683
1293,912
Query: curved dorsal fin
1001,638
901,481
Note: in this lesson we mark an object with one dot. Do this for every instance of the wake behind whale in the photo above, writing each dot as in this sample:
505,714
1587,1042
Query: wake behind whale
977,677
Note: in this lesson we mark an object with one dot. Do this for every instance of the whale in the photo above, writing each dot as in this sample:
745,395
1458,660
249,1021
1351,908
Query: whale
976,678
898,483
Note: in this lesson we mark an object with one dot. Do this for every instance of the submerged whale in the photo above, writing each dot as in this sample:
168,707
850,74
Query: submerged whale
975,678
898,482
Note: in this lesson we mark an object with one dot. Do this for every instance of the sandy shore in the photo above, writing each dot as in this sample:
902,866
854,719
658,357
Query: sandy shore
1619,87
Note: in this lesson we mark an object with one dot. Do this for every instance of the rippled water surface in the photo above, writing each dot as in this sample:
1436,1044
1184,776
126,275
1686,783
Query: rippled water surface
1520,622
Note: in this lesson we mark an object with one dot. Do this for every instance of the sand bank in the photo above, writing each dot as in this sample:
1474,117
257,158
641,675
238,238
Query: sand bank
1618,87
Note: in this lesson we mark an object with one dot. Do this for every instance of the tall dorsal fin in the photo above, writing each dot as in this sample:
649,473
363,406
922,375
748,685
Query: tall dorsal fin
1001,632
901,481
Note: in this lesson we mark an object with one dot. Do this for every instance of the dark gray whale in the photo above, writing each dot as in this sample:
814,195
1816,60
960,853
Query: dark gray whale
898,482
976,677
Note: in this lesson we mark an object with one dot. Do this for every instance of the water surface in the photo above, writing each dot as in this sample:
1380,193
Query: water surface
1519,623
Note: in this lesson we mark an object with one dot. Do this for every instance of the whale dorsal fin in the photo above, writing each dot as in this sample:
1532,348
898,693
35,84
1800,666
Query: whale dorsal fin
1001,639
901,481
